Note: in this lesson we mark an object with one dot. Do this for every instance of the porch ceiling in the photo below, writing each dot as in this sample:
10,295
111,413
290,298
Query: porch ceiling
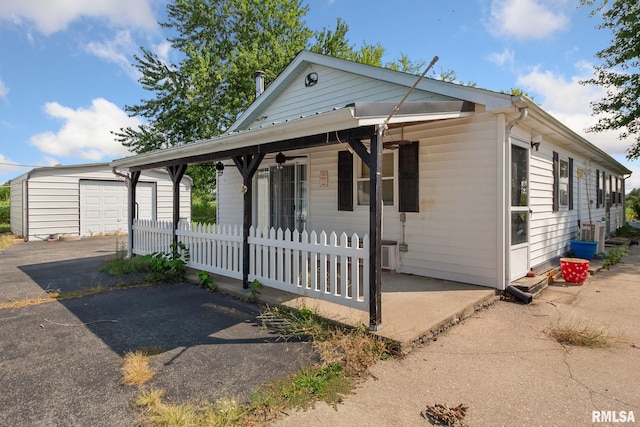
355,121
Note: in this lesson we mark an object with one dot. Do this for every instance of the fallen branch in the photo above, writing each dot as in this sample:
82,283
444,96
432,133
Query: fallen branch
78,324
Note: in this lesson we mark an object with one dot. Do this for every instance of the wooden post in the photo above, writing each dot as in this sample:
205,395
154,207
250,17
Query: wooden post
247,165
176,173
375,232
131,209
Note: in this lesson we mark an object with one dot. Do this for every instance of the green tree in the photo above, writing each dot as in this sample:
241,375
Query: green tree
220,45
618,73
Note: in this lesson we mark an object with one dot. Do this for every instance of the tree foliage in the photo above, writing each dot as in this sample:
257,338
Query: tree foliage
619,71
220,45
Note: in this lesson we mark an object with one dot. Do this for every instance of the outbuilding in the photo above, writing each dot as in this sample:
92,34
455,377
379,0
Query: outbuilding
88,200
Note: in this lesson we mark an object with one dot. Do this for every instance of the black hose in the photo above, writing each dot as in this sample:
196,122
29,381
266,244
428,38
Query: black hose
522,296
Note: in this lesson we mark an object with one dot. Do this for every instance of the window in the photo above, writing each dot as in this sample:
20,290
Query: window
388,180
562,183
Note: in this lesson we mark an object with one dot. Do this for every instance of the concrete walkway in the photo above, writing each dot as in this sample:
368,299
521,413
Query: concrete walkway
414,308
505,368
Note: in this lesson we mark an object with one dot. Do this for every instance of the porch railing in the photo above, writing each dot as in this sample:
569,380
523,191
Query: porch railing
316,265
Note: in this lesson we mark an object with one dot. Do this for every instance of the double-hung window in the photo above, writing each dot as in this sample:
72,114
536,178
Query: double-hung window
562,183
388,180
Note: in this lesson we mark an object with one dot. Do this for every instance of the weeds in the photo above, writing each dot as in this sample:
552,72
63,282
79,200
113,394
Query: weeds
29,302
7,240
581,334
615,255
135,369
82,292
161,266
346,355
206,281
255,288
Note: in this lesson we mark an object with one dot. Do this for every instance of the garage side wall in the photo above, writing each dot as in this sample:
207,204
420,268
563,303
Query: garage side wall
16,209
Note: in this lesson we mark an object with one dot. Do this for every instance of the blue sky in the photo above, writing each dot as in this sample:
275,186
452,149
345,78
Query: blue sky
66,74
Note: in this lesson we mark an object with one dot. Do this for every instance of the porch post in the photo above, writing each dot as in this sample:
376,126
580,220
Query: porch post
375,231
131,209
176,173
247,165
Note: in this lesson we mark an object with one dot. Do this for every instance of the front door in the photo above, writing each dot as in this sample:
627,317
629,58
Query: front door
519,210
282,197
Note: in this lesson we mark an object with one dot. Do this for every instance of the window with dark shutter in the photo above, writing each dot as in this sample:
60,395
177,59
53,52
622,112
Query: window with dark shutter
556,182
598,191
570,183
408,178
345,181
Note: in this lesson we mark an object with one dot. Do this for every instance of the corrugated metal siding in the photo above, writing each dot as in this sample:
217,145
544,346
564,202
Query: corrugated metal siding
54,198
335,89
16,194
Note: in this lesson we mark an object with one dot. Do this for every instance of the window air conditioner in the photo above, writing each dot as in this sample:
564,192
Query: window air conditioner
593,231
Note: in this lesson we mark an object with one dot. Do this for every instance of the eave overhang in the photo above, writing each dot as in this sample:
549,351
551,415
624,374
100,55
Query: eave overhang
357,121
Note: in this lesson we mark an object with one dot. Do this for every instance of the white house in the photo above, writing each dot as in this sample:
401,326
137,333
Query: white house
86,200
460,183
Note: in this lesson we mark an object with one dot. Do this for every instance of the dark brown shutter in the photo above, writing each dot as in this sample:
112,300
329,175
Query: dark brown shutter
610,202
345,181
570,183
556,182
598,192
409,177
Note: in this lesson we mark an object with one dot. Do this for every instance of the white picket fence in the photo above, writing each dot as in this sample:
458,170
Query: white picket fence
310,264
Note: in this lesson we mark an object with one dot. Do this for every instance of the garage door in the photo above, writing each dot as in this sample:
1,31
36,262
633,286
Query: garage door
103,206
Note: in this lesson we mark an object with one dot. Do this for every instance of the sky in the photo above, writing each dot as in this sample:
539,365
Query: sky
66,73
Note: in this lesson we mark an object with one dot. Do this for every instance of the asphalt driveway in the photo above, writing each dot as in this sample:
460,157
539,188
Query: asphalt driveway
60,361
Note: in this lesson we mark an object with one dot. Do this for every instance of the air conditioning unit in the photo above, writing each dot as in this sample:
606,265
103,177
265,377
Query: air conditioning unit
388,257
593,231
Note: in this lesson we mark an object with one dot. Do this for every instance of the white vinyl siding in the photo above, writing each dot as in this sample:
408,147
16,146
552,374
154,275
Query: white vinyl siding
335,89
550,231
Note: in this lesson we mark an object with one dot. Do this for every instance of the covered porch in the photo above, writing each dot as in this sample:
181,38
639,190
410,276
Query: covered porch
349,266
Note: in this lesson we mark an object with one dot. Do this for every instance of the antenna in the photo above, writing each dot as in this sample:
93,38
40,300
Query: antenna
397,107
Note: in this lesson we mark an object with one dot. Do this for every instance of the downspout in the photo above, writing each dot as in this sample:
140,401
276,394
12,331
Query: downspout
524,113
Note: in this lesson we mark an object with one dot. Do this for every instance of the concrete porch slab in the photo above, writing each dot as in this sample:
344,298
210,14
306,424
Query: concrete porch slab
414,308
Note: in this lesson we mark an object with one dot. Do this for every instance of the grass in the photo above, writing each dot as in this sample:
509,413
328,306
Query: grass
580,333
29,302
203,211
82,292
6,240
627,231
135,368
346,355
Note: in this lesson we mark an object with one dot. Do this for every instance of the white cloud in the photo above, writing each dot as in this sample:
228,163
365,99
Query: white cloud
526,19
116,51
7,166
569,101
504,59
53,16
4,90
163,49
86,133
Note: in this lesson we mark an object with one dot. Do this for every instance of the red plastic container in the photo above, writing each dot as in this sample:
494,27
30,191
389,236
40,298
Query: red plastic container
574,270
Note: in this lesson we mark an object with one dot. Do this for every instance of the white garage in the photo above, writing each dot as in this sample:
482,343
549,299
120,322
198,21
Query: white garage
88,200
